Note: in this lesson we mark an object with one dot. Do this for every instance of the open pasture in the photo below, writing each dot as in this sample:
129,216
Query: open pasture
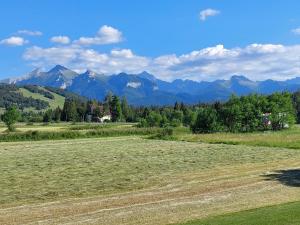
289,138
131,180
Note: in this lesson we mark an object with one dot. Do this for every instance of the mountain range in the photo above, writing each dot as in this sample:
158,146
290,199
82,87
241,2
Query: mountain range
146,89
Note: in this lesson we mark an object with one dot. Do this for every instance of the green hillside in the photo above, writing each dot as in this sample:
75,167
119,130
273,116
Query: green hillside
33,98
58,100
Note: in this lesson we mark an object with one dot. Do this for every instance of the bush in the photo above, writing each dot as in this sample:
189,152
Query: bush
164,134
48,135
167,132
206,122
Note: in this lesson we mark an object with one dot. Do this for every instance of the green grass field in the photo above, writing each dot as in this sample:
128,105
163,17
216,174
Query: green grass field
284,214
66,131
289,138
61,126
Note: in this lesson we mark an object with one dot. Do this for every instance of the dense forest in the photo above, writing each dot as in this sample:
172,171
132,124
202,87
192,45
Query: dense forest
239,114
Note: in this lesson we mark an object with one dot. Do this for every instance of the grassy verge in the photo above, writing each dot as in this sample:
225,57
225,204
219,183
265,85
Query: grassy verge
99,126
284,214
35,135
289,138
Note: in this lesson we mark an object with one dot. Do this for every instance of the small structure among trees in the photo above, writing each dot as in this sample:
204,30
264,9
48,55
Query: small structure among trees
105,118
111,109
239,114
247,114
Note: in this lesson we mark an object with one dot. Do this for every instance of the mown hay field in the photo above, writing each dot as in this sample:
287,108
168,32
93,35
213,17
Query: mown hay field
133,180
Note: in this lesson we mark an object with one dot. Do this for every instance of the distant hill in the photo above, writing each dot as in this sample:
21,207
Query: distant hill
146,89
33,97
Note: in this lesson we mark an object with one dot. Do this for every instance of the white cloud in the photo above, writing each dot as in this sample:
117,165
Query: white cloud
207,13
79,59
296,31
60,39
256,61
126,53
53,55
105,35
14,41
30,32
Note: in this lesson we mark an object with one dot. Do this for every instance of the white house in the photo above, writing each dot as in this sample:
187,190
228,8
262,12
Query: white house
105,118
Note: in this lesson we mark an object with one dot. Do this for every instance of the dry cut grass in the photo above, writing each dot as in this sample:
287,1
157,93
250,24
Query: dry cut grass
130,180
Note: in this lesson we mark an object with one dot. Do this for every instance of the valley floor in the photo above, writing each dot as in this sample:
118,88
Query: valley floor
132,180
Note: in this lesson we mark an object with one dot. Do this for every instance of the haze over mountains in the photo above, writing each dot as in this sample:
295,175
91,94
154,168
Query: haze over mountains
146,89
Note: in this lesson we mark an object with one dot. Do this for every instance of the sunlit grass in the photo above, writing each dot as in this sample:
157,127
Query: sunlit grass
284,214
48,170
289,138
58,100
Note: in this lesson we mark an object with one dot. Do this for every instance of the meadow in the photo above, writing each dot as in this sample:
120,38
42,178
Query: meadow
289,138
63,131
133,179
273,215
58,100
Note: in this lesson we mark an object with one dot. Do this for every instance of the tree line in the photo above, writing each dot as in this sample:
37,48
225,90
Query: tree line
76,110
247,114
239,114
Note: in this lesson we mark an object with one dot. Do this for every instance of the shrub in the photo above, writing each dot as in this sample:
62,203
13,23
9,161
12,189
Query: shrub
164,134
206,122
48,135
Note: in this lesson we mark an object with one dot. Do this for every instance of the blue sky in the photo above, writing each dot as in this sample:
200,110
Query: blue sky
168,38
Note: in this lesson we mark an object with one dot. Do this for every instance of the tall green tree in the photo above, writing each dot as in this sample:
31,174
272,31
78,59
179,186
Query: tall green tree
232,114
282,110
154,119
116,110
176,106
296,102
47,116
81,110
176,118
207,121
125,108
69,112
10,117
189,117
57,114
108,103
